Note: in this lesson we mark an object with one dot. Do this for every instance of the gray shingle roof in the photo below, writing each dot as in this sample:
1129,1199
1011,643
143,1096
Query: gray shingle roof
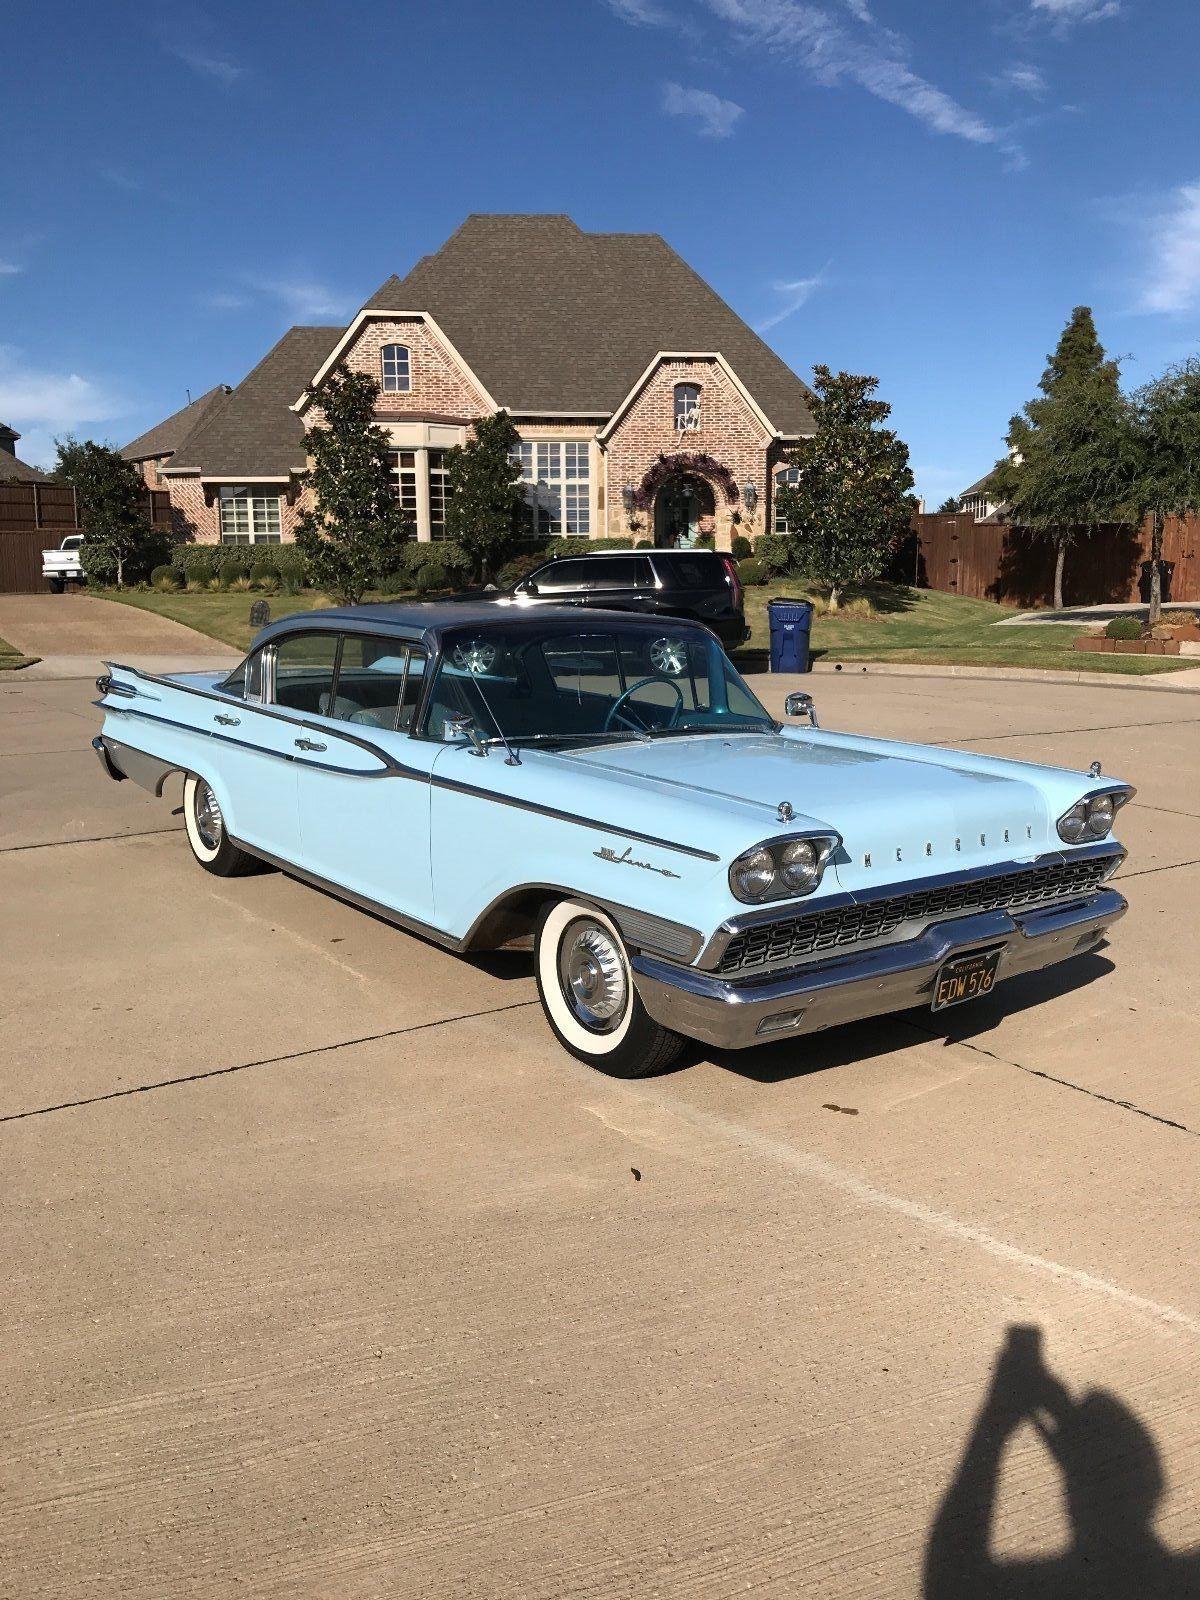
12,469
254,433
555,319
166,436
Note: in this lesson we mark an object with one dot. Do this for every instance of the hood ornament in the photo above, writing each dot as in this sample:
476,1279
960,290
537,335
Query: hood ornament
784,811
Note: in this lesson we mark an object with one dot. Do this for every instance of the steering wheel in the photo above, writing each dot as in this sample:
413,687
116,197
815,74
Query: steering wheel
616,713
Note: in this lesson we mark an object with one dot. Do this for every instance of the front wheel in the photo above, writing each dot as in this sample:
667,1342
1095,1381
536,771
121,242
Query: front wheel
586,989
205,825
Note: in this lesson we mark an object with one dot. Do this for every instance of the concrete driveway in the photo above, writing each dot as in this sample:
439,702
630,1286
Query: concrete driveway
329,1275
73,633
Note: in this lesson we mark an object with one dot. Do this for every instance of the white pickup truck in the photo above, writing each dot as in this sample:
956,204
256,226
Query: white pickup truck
63,566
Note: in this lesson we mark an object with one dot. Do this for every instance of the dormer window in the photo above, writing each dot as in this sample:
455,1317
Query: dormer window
396,368
687,407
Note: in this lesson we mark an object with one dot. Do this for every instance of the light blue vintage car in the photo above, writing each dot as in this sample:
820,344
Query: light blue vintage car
609,786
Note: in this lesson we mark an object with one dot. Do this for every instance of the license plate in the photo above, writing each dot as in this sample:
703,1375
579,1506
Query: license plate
965,978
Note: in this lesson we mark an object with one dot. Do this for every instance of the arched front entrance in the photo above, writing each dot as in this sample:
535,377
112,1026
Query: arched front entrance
680,506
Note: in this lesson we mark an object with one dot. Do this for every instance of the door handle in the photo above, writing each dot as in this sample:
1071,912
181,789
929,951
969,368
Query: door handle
228,722
310,744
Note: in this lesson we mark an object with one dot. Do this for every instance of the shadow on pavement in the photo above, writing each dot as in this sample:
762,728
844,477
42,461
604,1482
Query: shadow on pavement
1112,1480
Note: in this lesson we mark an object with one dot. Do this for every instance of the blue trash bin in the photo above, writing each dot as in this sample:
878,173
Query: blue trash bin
791,623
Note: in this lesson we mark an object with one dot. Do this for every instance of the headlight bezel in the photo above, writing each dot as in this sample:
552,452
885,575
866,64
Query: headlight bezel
1089,820
823,843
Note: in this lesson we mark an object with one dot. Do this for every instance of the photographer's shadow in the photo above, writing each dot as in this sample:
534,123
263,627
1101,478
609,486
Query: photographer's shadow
1112,1482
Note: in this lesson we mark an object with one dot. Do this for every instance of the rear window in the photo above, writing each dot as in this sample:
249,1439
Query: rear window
691,569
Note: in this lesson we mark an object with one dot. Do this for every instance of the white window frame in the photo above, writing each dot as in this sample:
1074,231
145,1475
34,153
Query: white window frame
788,476
261,514
557,478
687,407
390,382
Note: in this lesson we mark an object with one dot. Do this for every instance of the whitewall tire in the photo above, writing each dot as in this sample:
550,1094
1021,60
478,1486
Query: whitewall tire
588,995
204,823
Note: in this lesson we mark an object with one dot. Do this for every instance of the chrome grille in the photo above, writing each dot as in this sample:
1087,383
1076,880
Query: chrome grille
773,943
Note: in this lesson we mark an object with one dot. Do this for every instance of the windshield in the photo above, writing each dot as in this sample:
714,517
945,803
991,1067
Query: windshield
557,685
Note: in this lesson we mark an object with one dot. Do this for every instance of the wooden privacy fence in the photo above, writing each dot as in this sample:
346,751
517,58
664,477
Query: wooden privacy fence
993,561
36,517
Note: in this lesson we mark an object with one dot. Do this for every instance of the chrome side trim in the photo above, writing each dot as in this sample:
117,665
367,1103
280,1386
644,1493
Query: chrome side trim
788,911
362,902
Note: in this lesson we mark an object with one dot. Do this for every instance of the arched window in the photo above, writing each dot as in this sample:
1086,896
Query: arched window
687,406
784,478
394,361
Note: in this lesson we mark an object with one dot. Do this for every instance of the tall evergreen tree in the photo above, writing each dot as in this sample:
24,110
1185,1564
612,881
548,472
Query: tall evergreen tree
120,542
853,500
357,530
483,493
1167,482
1070,451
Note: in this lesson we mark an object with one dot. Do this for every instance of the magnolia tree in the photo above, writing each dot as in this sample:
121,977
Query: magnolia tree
852,502
1070,463
120,543
357,530
484,494
1167,458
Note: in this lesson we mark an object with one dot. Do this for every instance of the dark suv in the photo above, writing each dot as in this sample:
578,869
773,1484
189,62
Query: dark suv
700,584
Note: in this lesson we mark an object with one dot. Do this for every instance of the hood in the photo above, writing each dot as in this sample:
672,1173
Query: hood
901,810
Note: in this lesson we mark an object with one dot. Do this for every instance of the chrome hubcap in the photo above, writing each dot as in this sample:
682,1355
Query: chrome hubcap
592,975
210,824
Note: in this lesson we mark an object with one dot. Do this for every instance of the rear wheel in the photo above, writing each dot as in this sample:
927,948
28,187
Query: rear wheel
586,989
205,825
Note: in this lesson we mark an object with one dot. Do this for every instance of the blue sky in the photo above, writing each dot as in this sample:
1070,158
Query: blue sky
920,189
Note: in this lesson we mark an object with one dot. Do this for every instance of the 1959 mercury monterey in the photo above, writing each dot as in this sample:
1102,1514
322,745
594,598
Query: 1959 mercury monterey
686,866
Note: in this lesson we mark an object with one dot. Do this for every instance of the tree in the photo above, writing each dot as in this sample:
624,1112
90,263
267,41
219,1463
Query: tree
1167,473
1070,453
483,493
853,501
357,530
948,507
119,540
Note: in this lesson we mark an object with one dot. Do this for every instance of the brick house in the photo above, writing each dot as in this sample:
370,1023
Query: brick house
646,407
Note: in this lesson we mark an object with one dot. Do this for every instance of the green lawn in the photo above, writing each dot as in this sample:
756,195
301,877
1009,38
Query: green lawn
10,658
885,623
921,626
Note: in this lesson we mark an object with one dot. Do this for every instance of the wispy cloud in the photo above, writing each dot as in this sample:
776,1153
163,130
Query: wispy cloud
1171,282
1065,13
1023,77
9,269
794,295
300,297
41,403
642,13
715,118
202,61
836,51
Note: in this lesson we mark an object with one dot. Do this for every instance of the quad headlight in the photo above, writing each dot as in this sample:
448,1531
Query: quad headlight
1092,817
781,868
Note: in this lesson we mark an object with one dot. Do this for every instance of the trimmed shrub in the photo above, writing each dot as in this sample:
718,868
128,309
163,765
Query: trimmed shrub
164,576
519,567
751,573
740,547
265,574
706,541
774,552
229,572
644,544
1124,628
397,582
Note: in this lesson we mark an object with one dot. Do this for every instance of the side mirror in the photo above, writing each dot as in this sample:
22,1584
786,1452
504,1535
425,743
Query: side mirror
462,728
799,704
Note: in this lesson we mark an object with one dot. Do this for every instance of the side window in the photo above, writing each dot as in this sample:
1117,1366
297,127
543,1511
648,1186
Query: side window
563,575
691,571
615,572
305,665
377,686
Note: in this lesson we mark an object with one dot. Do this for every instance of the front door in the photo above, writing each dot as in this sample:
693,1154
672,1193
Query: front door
680,505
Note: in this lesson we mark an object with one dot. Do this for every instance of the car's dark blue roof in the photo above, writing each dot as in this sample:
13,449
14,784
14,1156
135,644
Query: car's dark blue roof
429,619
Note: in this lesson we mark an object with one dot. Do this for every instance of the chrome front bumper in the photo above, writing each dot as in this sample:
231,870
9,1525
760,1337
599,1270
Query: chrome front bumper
733,1013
